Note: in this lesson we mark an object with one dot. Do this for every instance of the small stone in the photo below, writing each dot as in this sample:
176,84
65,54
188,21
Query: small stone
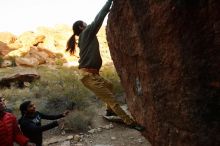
77,138
107,127
69,137
99,129
63,132
65,143
78,144
111,126
140,140
92,131
86,135
27,84
6,63
113,138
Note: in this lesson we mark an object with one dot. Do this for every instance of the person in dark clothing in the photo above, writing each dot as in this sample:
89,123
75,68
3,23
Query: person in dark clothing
30,122
90,62
9,129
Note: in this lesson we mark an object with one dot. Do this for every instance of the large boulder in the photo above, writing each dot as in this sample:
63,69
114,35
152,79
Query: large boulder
167,54
18,77
35,56
5,49
7,37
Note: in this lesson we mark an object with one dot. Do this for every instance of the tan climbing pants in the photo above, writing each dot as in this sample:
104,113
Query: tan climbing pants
103,90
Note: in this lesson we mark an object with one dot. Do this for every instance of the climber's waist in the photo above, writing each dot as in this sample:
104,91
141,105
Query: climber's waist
90,70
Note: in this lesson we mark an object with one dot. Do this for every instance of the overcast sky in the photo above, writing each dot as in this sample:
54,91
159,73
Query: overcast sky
17,16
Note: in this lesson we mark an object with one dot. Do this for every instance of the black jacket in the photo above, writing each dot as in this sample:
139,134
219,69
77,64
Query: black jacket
32,128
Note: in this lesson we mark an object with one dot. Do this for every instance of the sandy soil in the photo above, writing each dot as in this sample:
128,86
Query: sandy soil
117,135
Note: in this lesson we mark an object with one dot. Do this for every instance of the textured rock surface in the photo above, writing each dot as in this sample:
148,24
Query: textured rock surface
167,54
19,77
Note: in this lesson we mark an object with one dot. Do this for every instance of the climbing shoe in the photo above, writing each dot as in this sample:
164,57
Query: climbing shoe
110,113
137,127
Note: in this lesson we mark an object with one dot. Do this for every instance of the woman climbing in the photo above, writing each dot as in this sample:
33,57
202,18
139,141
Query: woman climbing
90,62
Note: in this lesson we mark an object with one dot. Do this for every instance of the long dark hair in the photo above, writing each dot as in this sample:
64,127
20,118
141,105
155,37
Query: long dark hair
71,43
24,106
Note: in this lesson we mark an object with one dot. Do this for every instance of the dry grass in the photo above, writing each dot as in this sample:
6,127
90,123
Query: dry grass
58,89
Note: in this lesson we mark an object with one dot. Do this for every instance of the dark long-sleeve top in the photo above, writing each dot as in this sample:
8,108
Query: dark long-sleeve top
32,128
88,43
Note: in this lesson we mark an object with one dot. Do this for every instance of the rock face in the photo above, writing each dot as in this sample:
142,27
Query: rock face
167,54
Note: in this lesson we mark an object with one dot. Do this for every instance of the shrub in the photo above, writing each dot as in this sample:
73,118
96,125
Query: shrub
60,61
79,120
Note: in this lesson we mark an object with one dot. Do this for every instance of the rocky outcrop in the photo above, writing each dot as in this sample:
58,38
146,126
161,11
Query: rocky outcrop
167,54
18,78
4,49
7,37
32,48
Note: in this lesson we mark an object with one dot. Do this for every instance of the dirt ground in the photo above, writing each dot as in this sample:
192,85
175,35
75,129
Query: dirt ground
103,133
